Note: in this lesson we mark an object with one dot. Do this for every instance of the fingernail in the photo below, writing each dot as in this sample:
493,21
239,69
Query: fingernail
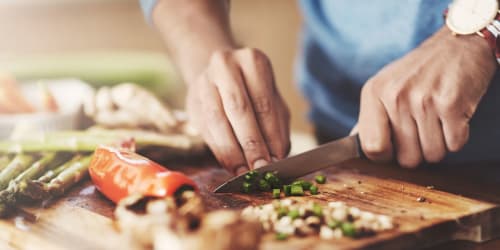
241,170
260,163
274,159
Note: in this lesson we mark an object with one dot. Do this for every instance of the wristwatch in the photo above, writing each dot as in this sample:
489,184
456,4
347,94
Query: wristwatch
466,17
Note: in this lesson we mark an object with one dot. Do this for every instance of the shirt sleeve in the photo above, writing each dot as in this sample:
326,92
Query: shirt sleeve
147,7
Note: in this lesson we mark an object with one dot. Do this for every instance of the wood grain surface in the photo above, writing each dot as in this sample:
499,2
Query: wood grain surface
462,204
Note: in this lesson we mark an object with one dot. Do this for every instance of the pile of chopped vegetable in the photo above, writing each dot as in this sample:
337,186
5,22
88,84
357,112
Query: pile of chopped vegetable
336,220
269,181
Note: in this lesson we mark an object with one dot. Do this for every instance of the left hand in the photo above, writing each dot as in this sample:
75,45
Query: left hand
419,107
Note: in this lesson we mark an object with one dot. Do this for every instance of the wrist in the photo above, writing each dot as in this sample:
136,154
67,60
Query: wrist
193,62
193,31
474,45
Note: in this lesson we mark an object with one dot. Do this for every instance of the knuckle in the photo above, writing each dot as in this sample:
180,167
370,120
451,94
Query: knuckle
422,104
236,103
394,97
367,89
449,106
251,145
262,105
253,54
213,114
220,57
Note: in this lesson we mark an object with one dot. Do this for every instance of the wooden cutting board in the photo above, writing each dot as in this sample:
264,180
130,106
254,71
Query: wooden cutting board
461,202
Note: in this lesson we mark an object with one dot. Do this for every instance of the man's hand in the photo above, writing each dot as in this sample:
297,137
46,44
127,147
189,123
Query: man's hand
232,98
418,107
238,110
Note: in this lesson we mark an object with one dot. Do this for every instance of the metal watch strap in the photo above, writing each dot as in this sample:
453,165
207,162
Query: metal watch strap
492,34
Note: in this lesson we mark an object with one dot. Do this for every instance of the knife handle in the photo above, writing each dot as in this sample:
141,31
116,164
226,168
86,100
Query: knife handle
360,149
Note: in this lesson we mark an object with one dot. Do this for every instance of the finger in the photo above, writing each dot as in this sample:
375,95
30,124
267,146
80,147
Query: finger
456,133
430,132
455,116
354,130
217,131
226,75
374,128
406,139
258,75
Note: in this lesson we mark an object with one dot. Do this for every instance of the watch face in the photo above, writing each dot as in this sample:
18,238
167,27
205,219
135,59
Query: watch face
469,16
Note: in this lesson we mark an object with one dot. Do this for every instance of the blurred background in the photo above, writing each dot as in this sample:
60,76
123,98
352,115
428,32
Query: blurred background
108,41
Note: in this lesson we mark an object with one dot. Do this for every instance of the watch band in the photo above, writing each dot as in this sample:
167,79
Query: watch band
492,34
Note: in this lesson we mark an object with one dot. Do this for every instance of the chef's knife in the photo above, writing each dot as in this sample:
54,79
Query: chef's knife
289,169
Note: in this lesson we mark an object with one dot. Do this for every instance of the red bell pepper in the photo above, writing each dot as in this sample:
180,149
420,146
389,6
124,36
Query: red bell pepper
118,173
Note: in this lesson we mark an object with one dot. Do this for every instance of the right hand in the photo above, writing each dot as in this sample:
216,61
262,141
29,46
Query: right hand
236,107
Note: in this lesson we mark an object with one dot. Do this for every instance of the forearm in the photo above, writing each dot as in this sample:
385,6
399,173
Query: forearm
192,31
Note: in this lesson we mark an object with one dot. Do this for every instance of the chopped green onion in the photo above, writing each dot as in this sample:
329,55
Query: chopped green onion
287,189
253,173
272,179
314,190
282,211
268,176
348,229
248,177
296,190
247,187
333,224
264,185
294,214
281,236
305,184
317,210
320,179
276,193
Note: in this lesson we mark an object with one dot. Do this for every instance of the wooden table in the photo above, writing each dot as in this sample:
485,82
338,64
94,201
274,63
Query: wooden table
466,196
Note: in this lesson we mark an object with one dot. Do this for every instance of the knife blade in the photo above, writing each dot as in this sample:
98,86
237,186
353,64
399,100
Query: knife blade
289,169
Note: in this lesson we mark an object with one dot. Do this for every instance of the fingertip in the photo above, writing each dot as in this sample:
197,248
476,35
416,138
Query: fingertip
240,170
260,163
377,150
409,162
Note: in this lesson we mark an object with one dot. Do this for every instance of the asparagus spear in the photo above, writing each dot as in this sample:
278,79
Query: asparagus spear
72,175
75,170
8,196
14,168
4,161
87,141
37,168
49,175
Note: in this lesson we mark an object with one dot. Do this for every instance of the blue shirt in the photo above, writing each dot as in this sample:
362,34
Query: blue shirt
345,42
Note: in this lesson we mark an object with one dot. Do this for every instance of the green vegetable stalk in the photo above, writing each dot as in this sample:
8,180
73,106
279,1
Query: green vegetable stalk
14,168
4,161
49,175
74,171
88,141
8,196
